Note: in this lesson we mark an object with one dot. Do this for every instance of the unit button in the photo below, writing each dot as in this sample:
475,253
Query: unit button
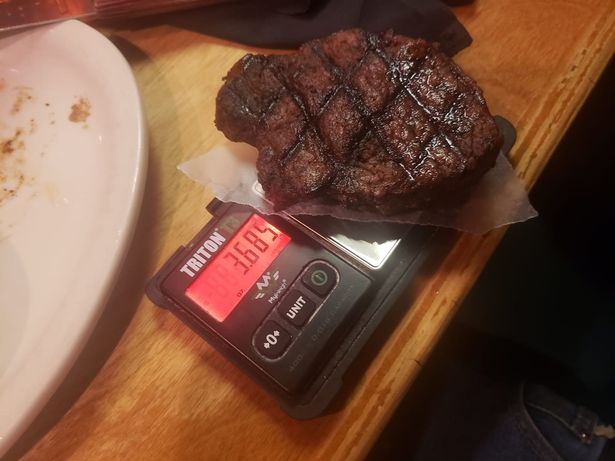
296,308
271,339
320,278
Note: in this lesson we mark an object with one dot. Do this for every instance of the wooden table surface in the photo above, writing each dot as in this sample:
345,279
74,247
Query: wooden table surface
146,387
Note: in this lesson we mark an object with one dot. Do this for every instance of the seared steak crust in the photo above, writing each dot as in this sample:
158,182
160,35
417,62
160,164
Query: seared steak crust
377,122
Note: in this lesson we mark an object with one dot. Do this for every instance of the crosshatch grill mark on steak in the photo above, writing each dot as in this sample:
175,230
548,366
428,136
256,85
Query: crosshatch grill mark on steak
372,121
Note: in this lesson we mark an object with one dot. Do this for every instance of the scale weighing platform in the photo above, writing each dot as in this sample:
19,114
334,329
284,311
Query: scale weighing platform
290,300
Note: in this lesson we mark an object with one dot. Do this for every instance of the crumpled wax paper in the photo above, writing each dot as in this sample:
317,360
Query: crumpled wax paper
498,199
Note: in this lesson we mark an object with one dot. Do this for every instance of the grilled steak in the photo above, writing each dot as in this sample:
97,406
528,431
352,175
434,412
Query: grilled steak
376,122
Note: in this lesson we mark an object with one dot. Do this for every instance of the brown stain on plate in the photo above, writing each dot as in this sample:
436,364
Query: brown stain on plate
10,145
13,148
24,94
12,175
80,111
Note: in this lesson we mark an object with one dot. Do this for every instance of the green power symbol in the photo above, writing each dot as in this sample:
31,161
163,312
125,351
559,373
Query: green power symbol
319,277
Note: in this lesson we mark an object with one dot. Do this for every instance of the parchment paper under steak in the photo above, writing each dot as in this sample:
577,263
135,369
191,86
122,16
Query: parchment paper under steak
372,121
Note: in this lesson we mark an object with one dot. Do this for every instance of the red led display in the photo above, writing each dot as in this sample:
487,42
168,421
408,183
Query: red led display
227,278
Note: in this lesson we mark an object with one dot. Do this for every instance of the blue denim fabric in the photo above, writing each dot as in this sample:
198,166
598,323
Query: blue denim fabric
484,420
568,428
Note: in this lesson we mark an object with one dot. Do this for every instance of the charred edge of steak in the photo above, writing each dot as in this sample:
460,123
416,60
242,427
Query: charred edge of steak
375,122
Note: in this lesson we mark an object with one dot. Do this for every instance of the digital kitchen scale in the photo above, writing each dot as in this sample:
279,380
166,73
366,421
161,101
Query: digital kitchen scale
291,300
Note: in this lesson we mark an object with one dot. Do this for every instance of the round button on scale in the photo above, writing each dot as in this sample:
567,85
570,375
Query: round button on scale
320,278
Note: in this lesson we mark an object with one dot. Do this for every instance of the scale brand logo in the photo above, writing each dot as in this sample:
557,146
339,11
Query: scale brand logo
203,254
264,283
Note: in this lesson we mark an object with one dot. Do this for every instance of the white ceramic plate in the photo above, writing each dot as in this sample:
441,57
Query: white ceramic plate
70,191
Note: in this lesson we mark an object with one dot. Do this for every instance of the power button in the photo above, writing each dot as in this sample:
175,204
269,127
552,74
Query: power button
320,278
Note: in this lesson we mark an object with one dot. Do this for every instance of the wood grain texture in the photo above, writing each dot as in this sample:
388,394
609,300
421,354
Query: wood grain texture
165,394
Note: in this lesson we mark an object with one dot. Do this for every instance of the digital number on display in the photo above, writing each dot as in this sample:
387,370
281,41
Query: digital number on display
228,277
